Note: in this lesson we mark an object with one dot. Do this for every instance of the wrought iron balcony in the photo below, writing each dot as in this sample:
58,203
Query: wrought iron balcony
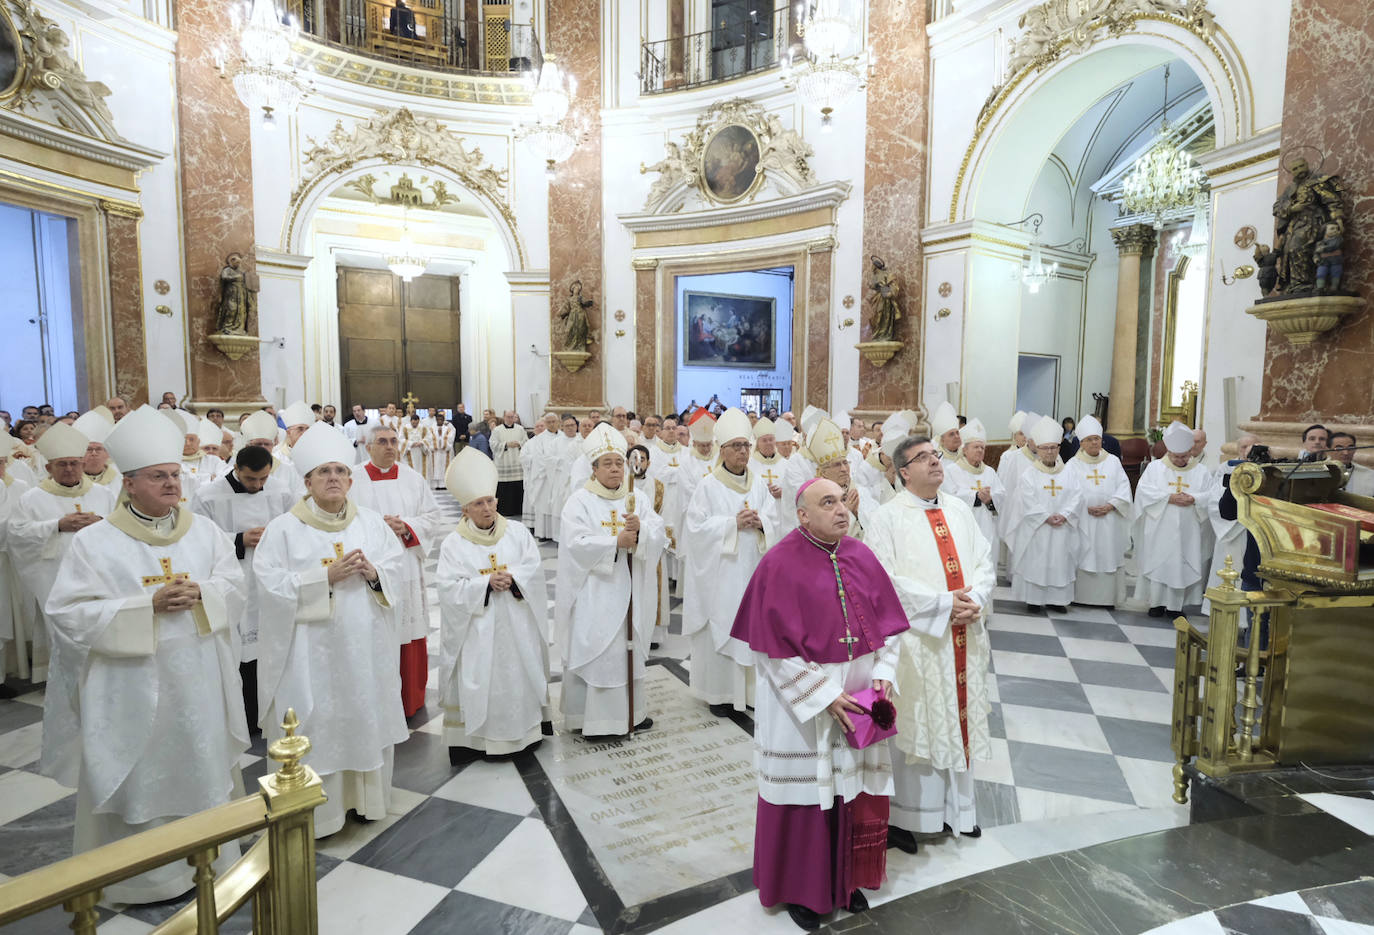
732,49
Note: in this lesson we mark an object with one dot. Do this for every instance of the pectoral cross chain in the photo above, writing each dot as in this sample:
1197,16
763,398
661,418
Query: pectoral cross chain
167,576
338,554
1178,485
495,567
1052,487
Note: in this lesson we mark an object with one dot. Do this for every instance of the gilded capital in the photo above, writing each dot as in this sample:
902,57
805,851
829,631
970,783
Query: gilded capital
1134,240
644,263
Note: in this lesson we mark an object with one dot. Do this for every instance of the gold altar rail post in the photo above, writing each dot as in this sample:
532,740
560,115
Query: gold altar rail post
277,872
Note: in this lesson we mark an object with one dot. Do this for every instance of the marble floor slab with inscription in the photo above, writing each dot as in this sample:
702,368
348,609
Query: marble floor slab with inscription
655,833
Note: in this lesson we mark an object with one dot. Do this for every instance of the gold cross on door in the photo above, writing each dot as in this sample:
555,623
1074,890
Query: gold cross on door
495,567
167,576
338,554
1052,487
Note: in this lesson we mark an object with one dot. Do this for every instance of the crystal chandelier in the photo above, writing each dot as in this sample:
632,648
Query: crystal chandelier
1035,273
1164,180
551,98
264,75
1200,235
406,262
830,74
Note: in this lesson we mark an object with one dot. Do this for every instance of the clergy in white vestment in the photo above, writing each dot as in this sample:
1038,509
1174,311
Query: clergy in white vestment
1172,528
494,622
540,464
328,573
44,522
391,416
801,467
197,468
1047,539
260,429
98,466
1012,462
507,438
415,445
355,430
442,435
242,503
668,465
611,543
826,447
406,503
296,418
18,611
567,450
1230,536
143,713
823,622
945,574
768,464
730,523
1104,518
701,460
532,469
785,436
968,479
944,429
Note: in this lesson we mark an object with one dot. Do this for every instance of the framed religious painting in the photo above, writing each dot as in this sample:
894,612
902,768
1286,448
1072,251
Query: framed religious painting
730,163
729,331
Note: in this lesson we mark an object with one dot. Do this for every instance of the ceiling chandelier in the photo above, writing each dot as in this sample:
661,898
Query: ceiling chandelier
406,262
1034,272
551,98
1200,235
264,74
829,75
1164,181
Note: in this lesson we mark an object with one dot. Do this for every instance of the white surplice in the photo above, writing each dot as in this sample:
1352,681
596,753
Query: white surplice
592,598
668,465
409,497
143,713
1010,466
415,448
330,654
540,463
506,445
493,662
1106,539
197,471
1044,558
236,513
963,481
441,437
565,452
1171,540
720,558
930,752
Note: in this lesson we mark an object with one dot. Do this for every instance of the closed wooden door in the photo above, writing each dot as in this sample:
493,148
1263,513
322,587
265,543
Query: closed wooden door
397,338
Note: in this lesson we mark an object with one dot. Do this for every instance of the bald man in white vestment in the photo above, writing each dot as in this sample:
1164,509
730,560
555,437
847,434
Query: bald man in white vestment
968,479
1104,520
143,714
1047,540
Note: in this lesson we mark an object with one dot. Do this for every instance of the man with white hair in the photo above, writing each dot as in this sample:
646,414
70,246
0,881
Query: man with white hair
143,713
610,544
540,464
1170,533
494,663
507,439
968,479
96,426
407,505
1046,539
731,521
944,429
197,468
1104,519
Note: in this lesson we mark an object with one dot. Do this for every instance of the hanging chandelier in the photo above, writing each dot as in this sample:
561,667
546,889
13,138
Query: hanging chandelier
264,74
830,74
1035,273
1165,180
1200,235
406,262
551,99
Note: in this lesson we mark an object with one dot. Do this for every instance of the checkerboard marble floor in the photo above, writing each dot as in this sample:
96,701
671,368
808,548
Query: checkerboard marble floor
1081,710
1343,909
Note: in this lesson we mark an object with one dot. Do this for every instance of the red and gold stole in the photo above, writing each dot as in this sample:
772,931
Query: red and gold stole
954,580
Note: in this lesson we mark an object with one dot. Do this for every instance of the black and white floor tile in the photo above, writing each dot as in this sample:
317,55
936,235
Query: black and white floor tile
1342,909
1081,711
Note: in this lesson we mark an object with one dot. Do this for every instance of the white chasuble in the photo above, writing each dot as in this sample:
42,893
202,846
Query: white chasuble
35,543
237,512
1171,540
330,653
1044,558
442,438
770,469
404,492
197,471
800,468
1013,463
539,463
928,701
19,616
415,447
144,712
964,482
565,452
1106,539
668,463
493,661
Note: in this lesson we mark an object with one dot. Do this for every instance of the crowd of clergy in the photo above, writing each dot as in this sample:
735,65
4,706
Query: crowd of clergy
180,584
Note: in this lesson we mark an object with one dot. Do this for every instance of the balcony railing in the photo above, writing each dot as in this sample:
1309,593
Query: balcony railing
730,50
439,35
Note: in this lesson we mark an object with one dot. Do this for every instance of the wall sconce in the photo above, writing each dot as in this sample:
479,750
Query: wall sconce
846,323
535,351
164,310
943,313
1244,271
620,332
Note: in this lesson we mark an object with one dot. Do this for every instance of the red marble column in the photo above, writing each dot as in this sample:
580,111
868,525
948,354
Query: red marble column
646,329
574,37
894,190
1326,106
216,196
126,306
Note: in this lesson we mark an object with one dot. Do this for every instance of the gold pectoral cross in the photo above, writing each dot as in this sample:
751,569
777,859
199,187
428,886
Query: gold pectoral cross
495,567
769,477
167,576
1053,488
673,463
338,554
1096,477
849,639
615,525
1178,485
978,486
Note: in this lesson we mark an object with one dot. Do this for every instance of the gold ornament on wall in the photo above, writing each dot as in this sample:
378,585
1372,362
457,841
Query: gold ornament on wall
620,314
848,301
162,287
945,290
1246,237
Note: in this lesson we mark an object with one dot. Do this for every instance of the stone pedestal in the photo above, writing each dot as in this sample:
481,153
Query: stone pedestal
1132,243
1303,320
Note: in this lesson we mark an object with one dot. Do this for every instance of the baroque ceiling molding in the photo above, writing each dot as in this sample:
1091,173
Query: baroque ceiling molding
50,85
782,157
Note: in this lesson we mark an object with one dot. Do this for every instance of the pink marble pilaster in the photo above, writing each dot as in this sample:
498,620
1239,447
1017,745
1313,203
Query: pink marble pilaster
820,262
646,328
126,306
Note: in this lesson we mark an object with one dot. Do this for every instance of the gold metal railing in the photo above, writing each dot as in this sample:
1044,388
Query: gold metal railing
277,873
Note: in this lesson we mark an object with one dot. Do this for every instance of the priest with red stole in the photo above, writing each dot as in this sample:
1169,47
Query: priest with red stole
404,498
822,619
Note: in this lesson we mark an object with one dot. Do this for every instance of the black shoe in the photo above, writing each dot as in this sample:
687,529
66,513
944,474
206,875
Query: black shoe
805,918
1035,609
901,839
546,728
461,756
977,832
858,902
653,646
722,710
1173,613
1157,611
645,724
1058,608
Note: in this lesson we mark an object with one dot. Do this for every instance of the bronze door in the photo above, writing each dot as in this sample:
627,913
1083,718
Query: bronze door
397,338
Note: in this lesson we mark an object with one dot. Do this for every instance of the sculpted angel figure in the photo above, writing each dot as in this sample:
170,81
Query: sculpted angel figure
671,169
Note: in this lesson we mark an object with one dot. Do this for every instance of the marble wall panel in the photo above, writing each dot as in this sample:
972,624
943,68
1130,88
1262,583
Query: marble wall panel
126,308
894,189
1326,106
646,330
1162,263
820,265
216,196
575,234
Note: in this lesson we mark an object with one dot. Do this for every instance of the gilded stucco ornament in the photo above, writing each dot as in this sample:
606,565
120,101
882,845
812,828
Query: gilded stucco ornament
773,153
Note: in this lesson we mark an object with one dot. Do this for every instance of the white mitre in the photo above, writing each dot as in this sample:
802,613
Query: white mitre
894,433
259,425
471,475
1018,422
210,433
732,424
94,426
1048,432
1178,438
145,437
604,440
975,431
783,431
765,426
943,419
826,443
810,417
62,441
321,444
1088,426
703,429
298,413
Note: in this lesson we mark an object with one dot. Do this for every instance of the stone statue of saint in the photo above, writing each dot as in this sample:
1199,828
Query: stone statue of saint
574,312
885,291
1301,215
238,296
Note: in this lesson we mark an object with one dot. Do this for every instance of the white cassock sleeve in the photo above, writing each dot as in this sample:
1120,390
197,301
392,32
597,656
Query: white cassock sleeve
803,685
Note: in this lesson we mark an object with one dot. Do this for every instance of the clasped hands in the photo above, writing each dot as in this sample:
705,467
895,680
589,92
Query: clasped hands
75,522
398,526
839,708
501,580
1102,510
1056,519
1182,499
353,563
748,519
175,597
965,609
